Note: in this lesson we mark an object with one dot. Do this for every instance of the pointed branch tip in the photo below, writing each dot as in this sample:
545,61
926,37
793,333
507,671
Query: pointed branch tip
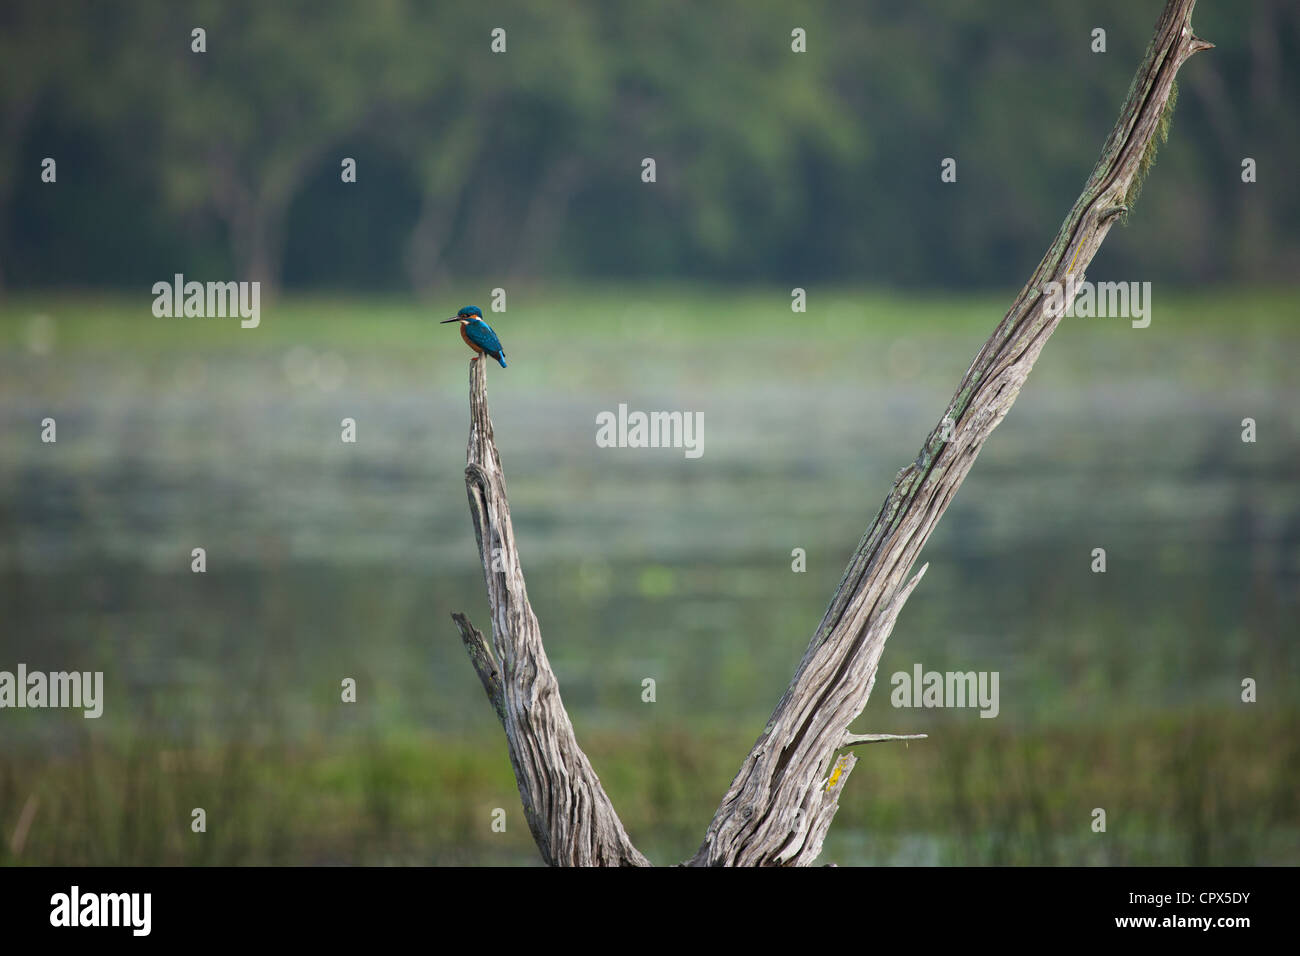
851,740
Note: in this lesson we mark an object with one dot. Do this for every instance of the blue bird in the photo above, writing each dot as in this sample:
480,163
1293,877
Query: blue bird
477,334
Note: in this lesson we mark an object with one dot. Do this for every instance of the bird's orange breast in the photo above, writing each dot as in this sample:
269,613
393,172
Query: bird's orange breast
468,340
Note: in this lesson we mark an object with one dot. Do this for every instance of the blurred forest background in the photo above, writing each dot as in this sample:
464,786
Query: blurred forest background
771,165
522,171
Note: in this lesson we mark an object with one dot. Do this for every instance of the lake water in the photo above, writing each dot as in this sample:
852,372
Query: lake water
327,559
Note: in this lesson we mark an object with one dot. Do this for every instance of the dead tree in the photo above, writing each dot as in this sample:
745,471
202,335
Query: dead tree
781,803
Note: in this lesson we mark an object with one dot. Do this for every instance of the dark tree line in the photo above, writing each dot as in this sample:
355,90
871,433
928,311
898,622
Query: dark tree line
771,165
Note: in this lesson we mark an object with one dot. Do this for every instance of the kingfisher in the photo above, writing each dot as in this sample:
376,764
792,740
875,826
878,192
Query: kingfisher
477,334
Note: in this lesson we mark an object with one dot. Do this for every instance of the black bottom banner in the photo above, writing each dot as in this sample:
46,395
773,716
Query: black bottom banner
339,904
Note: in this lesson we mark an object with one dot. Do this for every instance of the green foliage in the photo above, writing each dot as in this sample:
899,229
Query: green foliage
1211,791
773,164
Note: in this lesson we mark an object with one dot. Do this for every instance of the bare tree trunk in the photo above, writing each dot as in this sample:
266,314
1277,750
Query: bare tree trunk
568,812
424,248
459,152
259,248
255,211
780,805
13,125
545,214
254,223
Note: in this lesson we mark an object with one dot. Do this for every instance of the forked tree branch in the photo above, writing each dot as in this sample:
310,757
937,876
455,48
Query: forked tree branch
780,805
567,809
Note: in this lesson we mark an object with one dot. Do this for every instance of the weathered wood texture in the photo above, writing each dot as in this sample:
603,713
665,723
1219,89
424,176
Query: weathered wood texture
567,810
758,822
781,803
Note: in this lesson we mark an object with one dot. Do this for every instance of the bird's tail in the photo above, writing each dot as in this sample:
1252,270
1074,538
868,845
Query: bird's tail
501,357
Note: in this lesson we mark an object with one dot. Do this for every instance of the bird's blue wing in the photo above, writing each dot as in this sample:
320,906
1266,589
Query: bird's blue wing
481,334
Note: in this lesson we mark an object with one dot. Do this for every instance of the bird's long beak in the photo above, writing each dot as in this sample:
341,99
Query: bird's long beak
452,319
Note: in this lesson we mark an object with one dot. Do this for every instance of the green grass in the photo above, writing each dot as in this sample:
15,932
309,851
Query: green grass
1212,790
671,313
